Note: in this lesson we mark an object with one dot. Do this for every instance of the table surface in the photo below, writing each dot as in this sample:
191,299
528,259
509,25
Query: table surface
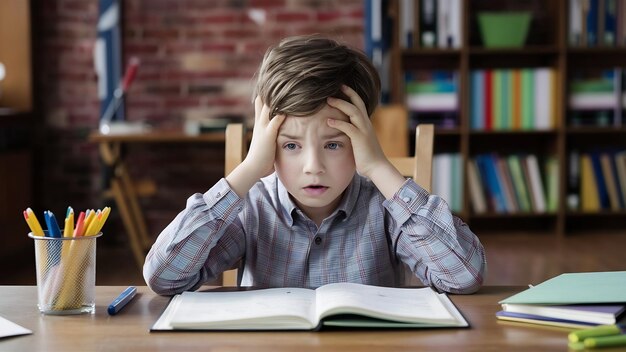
129,330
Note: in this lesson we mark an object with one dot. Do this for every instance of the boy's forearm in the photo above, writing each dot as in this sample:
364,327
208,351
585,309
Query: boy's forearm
241,179
387,179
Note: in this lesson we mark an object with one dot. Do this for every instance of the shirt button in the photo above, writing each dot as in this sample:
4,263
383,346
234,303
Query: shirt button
318,240
406,199
219,194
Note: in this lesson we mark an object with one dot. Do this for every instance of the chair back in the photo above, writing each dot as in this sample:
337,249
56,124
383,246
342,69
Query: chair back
391,124
235,151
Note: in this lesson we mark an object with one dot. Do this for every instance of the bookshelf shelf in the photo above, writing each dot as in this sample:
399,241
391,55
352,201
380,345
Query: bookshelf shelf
514,216
590,130
548,49
525,51
596,214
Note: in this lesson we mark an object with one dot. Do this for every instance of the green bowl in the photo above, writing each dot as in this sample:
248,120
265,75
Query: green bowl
504,29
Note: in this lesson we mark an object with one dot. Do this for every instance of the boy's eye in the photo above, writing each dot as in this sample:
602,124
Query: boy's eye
333,145
290,146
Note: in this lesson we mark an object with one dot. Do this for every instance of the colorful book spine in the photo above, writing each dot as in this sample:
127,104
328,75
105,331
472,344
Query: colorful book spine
589,196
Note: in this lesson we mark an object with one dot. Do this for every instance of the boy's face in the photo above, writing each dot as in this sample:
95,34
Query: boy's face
314,161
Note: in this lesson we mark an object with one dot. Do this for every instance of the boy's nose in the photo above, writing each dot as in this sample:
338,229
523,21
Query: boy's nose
313,163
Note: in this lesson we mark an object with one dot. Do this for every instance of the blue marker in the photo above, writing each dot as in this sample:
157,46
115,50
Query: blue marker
122,300
53,228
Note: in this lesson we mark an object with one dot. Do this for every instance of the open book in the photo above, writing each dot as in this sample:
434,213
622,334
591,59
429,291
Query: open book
339,304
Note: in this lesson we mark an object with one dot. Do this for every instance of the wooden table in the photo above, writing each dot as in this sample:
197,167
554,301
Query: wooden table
126,191
129,330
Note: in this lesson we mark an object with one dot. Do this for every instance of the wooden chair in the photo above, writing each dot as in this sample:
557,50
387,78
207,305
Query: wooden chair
419,166
391,123
235,151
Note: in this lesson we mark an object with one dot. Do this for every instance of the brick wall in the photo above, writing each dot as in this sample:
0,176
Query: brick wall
197,59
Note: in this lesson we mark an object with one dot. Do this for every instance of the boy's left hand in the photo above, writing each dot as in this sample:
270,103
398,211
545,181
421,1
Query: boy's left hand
368,154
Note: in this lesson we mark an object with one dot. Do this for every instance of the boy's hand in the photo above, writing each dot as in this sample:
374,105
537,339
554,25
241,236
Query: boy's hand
260,158
370,160
368,154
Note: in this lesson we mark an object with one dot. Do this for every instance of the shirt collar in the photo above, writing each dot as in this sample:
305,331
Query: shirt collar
346,205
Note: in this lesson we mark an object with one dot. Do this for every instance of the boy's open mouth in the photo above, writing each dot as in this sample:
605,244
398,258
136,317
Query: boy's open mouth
315,189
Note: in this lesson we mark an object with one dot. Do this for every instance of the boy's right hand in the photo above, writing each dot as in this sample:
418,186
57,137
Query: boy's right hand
260,159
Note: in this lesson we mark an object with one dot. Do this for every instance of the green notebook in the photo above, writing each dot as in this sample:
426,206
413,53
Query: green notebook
576,288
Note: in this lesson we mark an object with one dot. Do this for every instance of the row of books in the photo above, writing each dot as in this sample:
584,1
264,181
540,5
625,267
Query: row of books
513,99
597,23
431,90
597,181
447,179
430,23
513,184
432,97
596,98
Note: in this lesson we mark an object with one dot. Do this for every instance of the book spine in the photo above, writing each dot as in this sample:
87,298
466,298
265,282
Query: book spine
519,184
552,184
600,182
497,100
538,189
516,96
620,166
573,181
592,23
610,24
575,25
477,193
589,198
527,99
609,181
612,159
428,23
488,96
507,185
496,184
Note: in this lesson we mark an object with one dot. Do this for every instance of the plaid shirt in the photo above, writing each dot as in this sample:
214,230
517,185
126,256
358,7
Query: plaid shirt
364,241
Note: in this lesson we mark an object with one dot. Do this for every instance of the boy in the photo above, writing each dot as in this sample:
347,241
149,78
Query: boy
315,201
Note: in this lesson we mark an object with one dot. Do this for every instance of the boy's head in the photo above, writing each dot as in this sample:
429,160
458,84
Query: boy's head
297,75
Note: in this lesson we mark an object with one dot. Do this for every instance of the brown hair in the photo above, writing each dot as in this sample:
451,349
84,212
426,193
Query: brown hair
297,75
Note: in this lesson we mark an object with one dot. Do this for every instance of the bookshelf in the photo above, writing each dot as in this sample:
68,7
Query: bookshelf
549,47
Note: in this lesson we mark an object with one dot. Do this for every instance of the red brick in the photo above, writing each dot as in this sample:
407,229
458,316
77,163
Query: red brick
283,17
219,47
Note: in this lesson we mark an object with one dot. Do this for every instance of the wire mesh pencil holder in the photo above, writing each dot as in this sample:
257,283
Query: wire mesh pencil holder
66,274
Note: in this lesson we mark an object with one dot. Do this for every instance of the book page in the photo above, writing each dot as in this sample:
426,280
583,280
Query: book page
277,308
409,305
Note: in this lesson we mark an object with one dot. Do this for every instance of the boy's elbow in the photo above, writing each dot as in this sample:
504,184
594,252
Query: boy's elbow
465,288
470,281
160,287
156,283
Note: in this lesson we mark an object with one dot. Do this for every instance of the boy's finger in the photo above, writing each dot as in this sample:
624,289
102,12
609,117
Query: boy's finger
276,122
258,105
349,129
355,98
349,109
265,114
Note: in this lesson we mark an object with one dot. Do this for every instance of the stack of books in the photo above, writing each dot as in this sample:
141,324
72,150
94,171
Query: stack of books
572,300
